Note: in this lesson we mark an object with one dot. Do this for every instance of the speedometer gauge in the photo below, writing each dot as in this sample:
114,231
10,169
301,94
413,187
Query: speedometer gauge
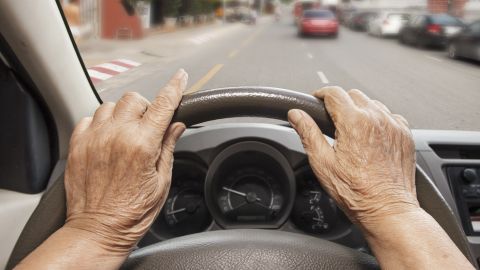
250,185
250,195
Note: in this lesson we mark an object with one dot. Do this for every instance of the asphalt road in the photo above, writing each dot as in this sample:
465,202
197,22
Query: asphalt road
429,89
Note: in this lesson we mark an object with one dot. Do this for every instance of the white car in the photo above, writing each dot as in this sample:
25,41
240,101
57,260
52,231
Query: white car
387,23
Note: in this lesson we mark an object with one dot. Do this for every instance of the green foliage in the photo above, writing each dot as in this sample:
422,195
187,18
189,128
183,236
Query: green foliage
207,6
171,7
195,7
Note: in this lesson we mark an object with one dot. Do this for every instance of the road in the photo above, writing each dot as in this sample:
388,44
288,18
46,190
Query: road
429,89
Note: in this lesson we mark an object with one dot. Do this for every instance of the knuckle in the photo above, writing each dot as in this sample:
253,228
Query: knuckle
164,102
354,92
131,96
334,91
107,104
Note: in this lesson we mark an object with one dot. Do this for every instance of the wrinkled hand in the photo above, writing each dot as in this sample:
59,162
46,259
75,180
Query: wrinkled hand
370,170
119,166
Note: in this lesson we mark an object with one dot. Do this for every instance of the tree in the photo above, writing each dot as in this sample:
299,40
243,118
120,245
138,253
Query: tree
171,7
195,7
207,7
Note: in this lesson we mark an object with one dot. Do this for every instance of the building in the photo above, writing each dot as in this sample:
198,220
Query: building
467,9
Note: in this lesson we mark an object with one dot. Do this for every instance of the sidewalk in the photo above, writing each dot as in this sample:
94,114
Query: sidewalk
156,45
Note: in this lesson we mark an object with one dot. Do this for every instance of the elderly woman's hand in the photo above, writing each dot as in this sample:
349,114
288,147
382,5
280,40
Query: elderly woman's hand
370,172
119,166
370,169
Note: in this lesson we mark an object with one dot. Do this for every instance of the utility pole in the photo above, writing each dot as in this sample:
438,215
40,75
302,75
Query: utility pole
224,7
262,2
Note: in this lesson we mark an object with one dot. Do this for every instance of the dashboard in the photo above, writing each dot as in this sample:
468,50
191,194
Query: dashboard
223,179
257,175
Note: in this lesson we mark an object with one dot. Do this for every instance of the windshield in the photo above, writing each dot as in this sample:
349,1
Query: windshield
133,45
320,14
444,19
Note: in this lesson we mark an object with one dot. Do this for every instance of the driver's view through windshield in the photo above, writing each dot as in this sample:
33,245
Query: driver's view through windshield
420,58
240,134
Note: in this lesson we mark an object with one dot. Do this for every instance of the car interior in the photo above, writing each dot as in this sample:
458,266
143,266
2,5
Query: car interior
289,219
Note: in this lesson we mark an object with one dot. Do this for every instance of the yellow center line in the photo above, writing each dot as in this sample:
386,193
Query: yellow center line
200,83
233,53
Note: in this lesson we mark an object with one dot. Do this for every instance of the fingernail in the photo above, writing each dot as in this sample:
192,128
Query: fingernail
294,116
182,76
178,130
180,73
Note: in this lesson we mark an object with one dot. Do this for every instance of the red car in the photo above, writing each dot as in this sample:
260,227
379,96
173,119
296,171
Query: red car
318,22
301,6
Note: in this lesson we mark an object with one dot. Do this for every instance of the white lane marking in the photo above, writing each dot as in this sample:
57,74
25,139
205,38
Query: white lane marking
309,55
129,62
323,77
113,67
433,58
201,39
98,75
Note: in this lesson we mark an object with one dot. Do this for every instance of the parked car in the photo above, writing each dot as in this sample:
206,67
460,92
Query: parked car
344,14
430,30
359,20
318,22
388,23
467,43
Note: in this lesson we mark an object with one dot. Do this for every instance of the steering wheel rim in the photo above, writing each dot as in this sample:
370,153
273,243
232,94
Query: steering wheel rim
266,102
224,103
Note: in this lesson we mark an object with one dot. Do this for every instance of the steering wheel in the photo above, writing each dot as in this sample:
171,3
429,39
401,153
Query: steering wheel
240,249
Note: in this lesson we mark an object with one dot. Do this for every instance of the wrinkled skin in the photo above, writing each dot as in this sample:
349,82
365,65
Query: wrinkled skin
119,166
370,170
119,172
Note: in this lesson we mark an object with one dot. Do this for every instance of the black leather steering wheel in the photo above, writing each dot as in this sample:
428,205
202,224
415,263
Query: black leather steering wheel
240,249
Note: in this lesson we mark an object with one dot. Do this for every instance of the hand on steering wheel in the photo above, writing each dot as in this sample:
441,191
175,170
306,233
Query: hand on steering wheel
120,164
370,169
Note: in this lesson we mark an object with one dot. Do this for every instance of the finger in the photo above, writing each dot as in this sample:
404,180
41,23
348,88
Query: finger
172,135
359,98
382,106
81,127
337,102
131,106
160,112
316,145
103,113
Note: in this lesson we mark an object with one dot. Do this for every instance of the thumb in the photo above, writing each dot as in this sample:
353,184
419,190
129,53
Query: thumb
316,145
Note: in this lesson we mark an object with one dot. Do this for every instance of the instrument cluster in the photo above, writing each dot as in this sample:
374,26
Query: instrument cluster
249,184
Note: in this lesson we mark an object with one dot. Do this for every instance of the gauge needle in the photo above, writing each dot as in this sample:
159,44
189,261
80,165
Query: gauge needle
237,192
176,211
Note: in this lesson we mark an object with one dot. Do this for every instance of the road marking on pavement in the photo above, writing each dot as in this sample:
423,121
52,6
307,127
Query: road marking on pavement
309,55
106,71
433,58
233,53
98,75
198,40
323,77
113,67
200,83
